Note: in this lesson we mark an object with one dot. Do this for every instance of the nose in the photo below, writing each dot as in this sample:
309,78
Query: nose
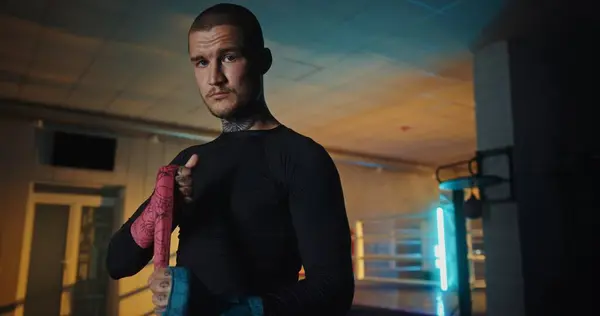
216,76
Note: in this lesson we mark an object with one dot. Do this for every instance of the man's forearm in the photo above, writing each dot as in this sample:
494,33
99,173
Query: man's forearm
125,257
162,199
142,229
130,248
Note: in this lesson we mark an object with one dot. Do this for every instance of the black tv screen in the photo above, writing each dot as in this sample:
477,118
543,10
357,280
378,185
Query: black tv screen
83,151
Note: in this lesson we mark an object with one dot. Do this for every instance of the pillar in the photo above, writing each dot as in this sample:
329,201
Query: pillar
536,90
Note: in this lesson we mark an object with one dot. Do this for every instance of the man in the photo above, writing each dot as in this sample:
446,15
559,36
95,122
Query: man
257,203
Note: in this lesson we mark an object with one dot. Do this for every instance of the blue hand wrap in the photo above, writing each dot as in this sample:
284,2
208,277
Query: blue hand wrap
180,290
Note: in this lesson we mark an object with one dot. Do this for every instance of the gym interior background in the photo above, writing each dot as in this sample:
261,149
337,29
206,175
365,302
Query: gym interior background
388,87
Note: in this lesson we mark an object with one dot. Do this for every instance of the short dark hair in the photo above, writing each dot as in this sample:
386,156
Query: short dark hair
234,15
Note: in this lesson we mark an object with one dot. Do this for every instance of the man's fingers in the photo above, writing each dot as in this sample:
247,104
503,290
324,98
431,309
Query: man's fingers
192,161
160,283
183,180
161,286
184,171
160,273
186,191
160,300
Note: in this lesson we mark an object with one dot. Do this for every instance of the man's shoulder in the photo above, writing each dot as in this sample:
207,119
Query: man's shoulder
296,141
305,156
304,148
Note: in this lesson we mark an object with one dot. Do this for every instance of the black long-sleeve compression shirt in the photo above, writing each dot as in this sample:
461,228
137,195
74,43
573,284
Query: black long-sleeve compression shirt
264,203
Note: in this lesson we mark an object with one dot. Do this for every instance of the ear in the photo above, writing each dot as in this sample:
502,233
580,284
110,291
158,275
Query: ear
266,60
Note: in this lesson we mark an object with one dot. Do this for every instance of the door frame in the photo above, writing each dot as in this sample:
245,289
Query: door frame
75,203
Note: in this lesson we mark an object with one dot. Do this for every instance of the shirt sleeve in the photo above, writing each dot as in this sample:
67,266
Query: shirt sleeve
125,257
321,225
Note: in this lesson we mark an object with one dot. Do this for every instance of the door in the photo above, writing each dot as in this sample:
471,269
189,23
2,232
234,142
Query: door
89,296
65,273
45,286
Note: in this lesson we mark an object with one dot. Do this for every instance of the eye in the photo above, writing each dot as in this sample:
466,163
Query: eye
229,58
201,63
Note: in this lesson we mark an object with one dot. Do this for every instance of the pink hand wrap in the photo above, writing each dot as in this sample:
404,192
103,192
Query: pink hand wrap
155,223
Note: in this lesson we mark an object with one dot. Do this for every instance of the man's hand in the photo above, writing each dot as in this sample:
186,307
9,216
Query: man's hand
160,283
184,178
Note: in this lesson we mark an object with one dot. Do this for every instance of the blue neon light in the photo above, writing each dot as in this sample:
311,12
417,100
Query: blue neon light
440,249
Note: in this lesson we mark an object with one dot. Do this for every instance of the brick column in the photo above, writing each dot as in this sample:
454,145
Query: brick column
535,90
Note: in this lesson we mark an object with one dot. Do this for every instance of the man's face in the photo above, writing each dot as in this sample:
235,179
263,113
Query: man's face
223,72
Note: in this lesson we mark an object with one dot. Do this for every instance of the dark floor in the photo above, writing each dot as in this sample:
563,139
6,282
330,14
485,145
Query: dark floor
400,300
371,311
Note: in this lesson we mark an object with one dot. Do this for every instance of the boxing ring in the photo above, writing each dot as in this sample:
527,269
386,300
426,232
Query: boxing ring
411,249
407,262
431,263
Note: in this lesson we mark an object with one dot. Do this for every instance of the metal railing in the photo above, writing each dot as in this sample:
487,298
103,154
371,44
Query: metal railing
401,249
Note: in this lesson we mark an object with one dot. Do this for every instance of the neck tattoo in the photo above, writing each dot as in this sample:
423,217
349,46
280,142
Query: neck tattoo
247,119
238,125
